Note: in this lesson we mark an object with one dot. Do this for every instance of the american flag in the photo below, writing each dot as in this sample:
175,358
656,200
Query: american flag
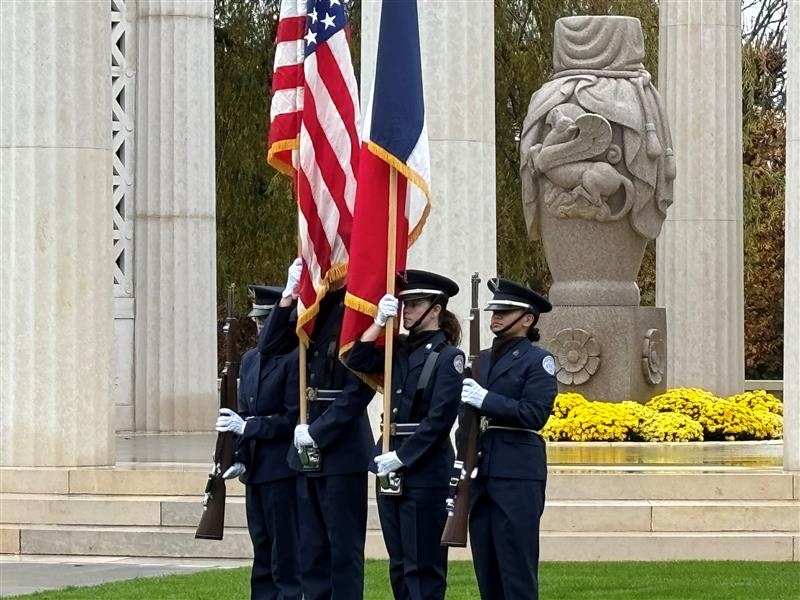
313,137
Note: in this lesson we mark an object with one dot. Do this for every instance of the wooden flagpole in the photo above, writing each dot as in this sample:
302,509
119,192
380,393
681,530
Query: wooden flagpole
391,259
301,347
301,354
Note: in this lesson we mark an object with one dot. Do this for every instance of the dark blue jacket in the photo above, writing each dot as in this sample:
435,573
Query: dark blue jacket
428,453
521,395
268,402
341,427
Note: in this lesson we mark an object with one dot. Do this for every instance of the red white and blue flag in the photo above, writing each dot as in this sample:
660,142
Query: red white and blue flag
313,137
394,135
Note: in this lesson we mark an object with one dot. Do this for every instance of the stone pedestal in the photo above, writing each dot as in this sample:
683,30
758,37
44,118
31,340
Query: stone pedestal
699,257
56,339
791,319
175,264
609,353
597,166
458,77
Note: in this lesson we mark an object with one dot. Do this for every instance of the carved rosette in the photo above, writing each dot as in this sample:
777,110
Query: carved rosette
577,355
653,356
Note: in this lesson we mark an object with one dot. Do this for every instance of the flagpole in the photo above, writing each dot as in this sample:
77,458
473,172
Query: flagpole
301,347
391,258
301,357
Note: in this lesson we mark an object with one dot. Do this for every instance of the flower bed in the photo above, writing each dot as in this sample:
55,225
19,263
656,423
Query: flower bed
679,415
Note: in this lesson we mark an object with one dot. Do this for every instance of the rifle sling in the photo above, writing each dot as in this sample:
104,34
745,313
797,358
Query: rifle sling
424,378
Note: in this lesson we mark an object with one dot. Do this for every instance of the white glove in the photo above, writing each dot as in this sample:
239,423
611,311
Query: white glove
387,307
293,278
228,420
472,393
302,437
235,470
388,463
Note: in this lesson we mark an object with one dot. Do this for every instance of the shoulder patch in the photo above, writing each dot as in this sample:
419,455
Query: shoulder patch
458,363
549,365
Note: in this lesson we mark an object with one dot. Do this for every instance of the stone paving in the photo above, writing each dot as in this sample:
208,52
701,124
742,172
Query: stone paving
21,574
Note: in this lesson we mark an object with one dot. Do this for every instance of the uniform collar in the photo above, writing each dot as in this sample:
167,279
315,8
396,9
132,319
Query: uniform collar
502,345
416,340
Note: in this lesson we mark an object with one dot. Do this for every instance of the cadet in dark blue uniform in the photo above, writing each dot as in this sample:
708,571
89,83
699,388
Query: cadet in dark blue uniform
515,396
426,386
267,414
332,501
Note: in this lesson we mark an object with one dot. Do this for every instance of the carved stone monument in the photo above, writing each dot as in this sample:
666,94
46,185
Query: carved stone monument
597,170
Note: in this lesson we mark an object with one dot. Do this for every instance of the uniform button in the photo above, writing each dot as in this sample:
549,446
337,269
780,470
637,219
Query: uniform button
316,353
480,453
400,391
311,376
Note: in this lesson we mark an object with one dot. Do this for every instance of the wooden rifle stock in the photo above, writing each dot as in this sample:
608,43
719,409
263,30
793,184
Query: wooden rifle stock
455,528
212,521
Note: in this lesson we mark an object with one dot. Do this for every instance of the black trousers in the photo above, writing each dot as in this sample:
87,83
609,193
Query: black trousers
412,526
272,522
504,536
333,527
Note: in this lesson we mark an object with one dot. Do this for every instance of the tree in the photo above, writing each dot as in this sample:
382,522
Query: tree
255,212
764,165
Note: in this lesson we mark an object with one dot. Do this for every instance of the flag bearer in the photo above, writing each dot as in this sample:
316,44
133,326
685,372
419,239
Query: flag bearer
426,386
332,453
515,396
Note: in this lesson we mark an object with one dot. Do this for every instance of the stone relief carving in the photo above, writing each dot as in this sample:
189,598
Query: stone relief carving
595,143
577,355
122,95
653,356
578,186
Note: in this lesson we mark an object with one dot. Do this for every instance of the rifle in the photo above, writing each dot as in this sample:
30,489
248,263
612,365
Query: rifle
212,521
455,528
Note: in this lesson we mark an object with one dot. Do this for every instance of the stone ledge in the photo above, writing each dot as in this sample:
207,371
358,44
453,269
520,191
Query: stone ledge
51,509
655,485
560,515
560,546
31,480
564,483
142,482
778,516
667,546
9,540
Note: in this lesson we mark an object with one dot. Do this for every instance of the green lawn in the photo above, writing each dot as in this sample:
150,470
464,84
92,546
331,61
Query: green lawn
559,581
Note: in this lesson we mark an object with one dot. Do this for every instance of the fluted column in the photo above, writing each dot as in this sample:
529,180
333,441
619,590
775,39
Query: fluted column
56,266
175,274
458,77
699,264
791,307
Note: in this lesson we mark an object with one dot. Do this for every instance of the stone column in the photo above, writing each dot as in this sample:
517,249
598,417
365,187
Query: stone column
699,264
175,259
56,271
458,77
791,319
